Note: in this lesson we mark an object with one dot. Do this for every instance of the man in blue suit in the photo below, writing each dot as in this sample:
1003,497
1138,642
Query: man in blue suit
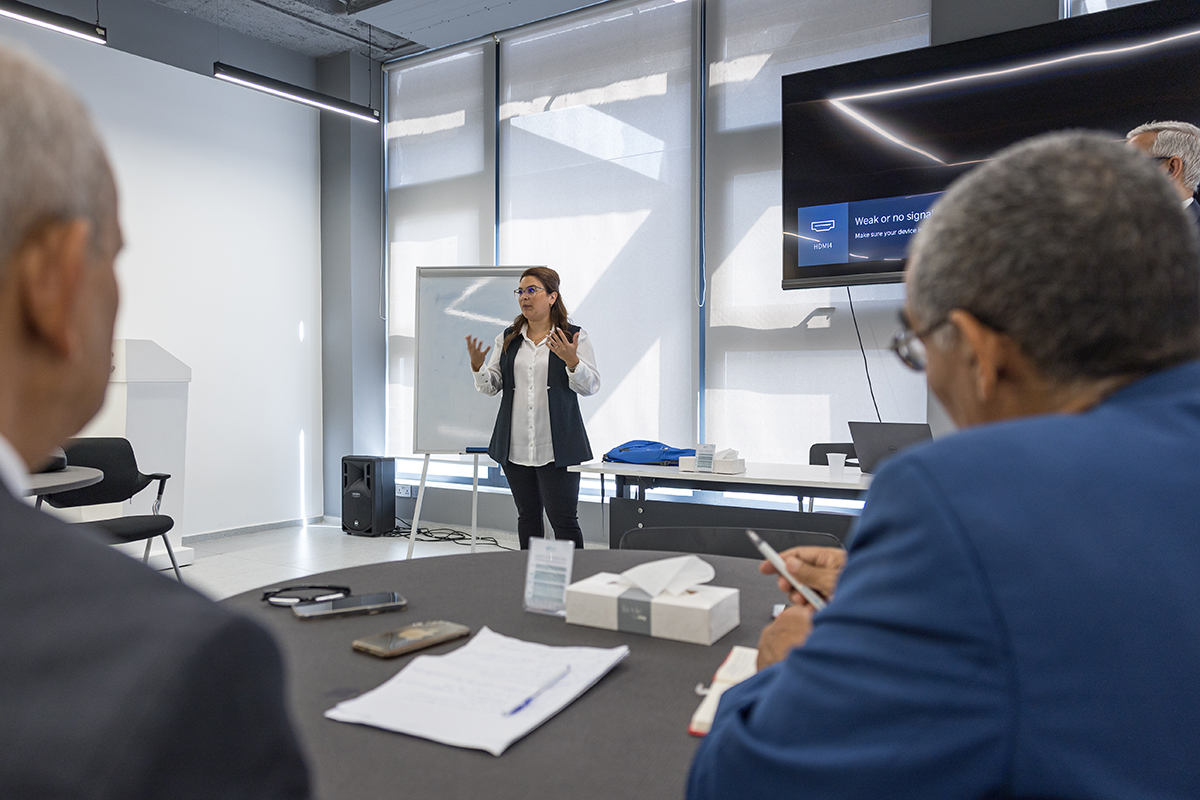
1019,614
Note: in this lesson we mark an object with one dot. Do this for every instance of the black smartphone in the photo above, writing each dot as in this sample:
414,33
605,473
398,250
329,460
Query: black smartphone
376,603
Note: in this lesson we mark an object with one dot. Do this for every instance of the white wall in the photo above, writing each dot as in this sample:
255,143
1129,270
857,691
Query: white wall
220,194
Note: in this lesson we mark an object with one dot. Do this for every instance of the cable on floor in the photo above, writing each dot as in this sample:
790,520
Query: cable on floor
450,535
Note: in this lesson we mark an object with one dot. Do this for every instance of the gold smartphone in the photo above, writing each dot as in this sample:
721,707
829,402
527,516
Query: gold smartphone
411,637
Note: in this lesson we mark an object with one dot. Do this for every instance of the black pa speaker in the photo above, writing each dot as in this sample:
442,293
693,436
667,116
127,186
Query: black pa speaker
368,495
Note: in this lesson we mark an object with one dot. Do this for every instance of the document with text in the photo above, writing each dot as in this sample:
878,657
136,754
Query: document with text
485,695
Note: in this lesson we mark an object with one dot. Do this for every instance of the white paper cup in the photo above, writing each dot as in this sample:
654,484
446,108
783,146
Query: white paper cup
837,466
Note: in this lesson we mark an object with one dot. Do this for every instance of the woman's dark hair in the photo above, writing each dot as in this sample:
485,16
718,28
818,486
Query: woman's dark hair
558,312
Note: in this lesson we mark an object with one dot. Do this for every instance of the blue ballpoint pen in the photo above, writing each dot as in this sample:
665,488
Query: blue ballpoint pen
538,691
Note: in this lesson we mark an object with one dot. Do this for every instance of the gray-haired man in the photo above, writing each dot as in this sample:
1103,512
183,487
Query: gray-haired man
1019,614
115,682
1176,146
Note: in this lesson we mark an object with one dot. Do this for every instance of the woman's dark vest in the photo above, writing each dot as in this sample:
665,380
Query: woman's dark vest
566,423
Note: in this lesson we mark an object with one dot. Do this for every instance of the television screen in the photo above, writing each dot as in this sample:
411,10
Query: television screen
869,146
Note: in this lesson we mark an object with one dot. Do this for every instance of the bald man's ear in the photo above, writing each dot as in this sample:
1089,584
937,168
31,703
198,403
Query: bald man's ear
49,269
1175,169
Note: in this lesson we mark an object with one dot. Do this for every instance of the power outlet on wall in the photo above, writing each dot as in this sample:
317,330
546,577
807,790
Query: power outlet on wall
403,490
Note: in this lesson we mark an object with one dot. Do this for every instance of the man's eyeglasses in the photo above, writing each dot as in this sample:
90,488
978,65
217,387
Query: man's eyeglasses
528,291
907,344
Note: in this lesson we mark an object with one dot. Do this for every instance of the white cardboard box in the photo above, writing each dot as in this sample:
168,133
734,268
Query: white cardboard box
721,466
701,615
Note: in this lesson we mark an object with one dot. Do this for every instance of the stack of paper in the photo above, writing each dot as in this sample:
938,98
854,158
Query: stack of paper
467,698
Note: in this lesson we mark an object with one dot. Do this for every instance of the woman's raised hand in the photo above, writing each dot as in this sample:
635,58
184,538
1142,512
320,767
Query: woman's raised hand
565,347
477,351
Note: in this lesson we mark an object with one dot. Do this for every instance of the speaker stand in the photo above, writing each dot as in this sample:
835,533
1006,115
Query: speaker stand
475,504
416,523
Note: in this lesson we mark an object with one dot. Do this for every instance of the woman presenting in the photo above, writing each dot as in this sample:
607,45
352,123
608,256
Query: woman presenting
541,364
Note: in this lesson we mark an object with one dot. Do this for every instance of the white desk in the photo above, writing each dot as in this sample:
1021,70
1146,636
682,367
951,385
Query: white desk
801,480
796,480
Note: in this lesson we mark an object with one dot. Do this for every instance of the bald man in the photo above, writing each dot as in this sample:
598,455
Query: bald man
1176,147
115,682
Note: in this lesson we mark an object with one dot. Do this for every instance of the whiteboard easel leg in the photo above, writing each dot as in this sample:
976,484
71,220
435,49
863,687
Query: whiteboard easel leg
603,512
475,504
416,523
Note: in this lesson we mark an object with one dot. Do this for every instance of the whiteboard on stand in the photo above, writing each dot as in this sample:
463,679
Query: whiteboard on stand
452,303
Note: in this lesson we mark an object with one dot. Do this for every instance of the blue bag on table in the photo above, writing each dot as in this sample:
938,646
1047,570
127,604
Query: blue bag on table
641,451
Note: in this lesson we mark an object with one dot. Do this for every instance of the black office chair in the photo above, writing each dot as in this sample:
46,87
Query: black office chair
818,456
122,480
721,541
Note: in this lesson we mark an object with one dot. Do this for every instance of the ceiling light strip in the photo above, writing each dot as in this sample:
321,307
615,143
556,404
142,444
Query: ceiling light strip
49,20
295,93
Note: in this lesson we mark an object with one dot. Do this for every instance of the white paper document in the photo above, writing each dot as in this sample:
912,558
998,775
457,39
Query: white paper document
466,698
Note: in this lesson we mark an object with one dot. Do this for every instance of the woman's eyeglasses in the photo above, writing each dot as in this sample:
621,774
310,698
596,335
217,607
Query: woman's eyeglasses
528,291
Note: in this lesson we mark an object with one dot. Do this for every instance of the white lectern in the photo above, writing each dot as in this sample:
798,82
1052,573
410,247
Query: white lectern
146,403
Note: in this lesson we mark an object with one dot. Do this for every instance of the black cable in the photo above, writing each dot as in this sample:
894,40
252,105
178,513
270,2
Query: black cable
451,535
866,368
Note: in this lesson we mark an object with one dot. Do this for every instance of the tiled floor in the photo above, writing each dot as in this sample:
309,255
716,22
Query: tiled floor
236,564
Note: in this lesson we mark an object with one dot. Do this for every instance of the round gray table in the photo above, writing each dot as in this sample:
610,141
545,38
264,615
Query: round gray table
64,480
626,737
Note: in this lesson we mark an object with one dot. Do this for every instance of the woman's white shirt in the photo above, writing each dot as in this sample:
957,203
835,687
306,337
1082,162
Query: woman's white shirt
532,445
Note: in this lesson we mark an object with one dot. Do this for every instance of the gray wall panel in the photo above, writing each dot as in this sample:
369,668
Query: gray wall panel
354,336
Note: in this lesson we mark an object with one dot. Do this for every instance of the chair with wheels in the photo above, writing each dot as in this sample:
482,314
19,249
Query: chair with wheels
122,480
721,541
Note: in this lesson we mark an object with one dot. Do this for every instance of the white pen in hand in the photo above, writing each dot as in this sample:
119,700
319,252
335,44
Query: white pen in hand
529,698
770,555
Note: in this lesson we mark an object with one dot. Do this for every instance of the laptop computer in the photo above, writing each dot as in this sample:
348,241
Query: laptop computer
875,442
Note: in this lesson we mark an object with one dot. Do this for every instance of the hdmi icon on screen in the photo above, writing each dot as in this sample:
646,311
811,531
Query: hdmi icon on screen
822,225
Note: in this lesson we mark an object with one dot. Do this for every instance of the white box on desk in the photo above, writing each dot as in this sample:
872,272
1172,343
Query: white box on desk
701,615
721,466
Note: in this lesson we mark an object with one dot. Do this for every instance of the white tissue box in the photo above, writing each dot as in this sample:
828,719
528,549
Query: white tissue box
721,466
701,615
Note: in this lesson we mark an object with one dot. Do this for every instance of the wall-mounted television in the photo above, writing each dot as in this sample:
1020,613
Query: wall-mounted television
868,146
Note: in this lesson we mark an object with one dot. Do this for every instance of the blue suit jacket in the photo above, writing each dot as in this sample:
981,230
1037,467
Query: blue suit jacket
1019,617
